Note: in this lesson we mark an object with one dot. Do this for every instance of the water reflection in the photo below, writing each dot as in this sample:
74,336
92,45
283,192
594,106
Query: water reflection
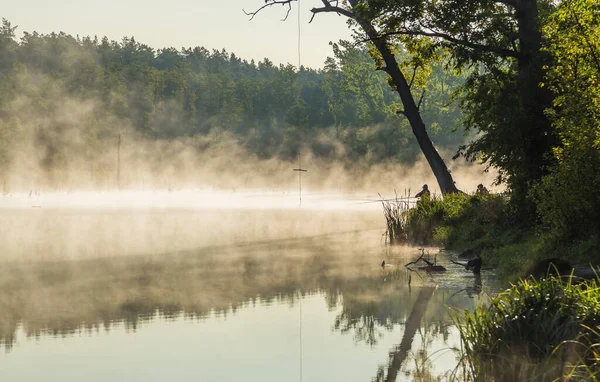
66,297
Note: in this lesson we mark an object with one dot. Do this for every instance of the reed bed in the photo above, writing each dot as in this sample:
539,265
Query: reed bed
396,216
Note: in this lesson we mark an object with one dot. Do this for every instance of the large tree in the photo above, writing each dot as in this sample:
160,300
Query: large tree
502,40
360,13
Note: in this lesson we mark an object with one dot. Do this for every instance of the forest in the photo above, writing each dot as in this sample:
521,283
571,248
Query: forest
64,99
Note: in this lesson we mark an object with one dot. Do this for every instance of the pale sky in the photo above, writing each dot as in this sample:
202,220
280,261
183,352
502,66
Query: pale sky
214,24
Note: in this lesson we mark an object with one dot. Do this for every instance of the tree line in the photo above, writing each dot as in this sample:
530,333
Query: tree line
70,95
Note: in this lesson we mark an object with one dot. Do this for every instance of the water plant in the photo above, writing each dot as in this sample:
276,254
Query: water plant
536,330
396,212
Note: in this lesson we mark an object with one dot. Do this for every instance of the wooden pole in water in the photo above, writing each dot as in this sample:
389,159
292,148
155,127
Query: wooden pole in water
300,171
119,162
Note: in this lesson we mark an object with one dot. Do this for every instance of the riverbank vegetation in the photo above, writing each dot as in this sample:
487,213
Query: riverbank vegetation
537,330
549,162
535,104
485,224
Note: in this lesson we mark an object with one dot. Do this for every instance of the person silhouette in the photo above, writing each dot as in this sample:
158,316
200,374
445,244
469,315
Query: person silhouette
475,265
481,190
423,192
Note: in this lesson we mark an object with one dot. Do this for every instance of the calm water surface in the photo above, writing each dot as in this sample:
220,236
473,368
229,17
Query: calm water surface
211,287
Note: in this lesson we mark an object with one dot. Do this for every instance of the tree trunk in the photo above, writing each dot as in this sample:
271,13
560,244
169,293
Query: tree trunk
537,129
411,111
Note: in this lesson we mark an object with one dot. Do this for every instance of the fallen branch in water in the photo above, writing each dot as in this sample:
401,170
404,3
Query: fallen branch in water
414,262
431,267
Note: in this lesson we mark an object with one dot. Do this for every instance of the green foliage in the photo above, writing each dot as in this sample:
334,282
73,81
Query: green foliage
457,220
424,219
499,45
520,335
568,199
552,167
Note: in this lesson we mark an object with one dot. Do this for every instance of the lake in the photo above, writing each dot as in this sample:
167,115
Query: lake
220,286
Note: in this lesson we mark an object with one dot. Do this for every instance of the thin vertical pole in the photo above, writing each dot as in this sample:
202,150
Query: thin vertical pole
300,179
119,162
301,355
300,171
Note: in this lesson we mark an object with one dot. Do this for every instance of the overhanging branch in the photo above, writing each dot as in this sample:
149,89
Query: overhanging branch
410,84
269,3
486,48
328,6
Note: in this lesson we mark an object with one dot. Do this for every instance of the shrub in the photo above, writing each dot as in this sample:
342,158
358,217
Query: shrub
568,199
455,220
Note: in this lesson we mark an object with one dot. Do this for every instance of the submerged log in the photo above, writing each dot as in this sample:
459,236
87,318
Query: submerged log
433,268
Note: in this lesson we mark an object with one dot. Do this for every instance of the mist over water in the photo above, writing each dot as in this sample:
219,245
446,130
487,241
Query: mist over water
213,277
129,248
81,225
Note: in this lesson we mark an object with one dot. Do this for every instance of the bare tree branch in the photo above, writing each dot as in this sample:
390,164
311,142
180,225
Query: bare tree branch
457,263
328,6
269,3
416,261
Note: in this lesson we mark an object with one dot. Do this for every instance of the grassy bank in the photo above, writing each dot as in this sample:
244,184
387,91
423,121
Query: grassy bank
485,224
536,331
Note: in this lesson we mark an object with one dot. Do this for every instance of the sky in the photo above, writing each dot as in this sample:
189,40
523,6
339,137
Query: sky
214,24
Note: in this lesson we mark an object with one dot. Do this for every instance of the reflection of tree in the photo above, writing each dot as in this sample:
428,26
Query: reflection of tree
62,297
413,323
368,315
367,325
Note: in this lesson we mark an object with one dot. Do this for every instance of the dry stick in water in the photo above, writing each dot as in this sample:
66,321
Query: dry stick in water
414,262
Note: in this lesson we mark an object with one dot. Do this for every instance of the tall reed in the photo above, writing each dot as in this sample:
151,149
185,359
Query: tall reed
396,213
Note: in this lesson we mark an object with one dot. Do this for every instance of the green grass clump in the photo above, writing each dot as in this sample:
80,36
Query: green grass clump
537,330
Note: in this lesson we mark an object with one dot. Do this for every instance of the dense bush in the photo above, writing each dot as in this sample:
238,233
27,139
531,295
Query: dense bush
568,198
456,220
